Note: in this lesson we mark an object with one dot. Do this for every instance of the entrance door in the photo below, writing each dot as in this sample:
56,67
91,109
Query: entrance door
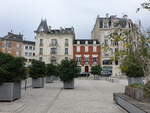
86,69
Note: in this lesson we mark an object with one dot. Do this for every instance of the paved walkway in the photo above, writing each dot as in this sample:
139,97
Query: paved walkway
89,96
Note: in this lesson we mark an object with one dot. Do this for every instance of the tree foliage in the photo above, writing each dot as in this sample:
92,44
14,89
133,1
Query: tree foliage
96,70
68,70
37,69
11,68
51,70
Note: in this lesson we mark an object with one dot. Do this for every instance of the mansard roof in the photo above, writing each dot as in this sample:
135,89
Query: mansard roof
122,21
43,27
29,42
13,37
83,41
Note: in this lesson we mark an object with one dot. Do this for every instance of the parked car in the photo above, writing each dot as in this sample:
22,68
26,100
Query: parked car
84,74
106,73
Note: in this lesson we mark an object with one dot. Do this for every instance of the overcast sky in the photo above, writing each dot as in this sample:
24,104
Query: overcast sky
24,16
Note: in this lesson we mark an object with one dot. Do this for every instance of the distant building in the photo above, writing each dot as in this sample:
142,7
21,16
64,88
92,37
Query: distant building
87,53
53,45
12,44
28,51
102,28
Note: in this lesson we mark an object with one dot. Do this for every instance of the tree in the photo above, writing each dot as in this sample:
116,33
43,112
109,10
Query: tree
51,70
37,69
68,70
96,70
11,68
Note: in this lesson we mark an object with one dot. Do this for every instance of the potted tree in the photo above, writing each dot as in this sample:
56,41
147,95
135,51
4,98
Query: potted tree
133,69
96,70
51,72
68,70
12,71
37,73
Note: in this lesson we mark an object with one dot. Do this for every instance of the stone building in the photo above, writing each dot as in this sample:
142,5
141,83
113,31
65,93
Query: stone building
102,28
28,51
12,44
53,45
87,53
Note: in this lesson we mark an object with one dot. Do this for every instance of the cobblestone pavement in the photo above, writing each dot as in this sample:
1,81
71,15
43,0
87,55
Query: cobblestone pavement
89,96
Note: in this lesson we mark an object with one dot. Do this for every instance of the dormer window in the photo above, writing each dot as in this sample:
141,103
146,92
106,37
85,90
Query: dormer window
86,42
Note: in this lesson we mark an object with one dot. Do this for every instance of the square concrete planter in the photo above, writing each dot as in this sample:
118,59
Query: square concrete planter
38,83
136,93
135,80
10,91
50,79
69,85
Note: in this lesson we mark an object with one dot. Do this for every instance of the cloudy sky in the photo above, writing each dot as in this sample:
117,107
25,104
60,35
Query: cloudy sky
24,15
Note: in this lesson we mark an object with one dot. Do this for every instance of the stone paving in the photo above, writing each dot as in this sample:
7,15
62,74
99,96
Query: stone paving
89,96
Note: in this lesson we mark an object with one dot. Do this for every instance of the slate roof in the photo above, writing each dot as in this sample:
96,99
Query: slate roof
122,21
13,37
29,42
43,27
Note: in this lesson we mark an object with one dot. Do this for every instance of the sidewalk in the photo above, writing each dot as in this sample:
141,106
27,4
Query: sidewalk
89,96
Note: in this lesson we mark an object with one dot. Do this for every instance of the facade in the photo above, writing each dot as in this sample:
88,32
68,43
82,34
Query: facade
102,28
53,45
12,44
28,51
87,53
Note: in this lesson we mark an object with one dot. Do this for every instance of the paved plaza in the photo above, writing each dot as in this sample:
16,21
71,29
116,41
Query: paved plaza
89,96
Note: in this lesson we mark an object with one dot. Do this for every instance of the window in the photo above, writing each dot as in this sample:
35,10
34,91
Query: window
30,60
94,49
66,50
116,43
105,25
86,59
107,62
53,60
41,59
30,47
8,44
26,47
116,62
66,42
33,48
41,51
94,59
30,54
41,42
33,54
78,59
106,42
53,50
26,53
54,42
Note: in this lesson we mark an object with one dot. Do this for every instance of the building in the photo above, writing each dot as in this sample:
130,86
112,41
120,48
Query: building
102,28
53,45
87,53
12,44
28,51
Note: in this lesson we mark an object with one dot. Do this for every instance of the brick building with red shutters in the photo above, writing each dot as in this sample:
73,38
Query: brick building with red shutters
87,53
